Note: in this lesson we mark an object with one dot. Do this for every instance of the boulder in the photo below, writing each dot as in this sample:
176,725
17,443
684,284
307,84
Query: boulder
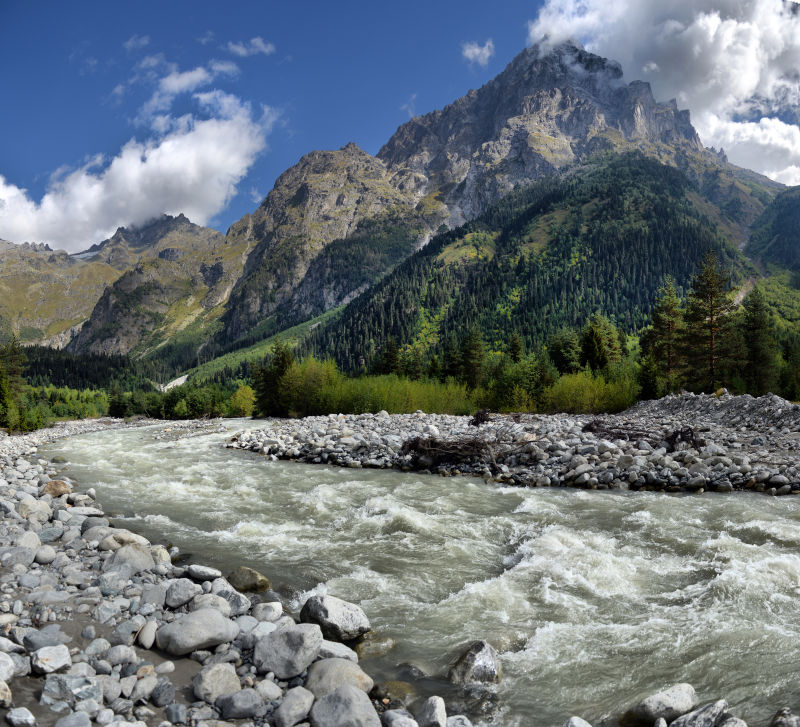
398,718
478,664
210,600
707,716
289,651
294,708
345,706
268,690
248,580
20,717
338,619
432,713
327,675
784,718
244,704
202,572
57,488
7,667
669,704
576,722
6,697
196,630
213,681
50,659
181,591
135,555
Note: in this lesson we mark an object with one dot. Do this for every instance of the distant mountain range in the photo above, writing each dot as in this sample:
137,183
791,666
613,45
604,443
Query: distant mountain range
556,167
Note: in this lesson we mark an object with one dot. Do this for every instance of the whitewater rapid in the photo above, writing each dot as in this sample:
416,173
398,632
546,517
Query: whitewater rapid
594,599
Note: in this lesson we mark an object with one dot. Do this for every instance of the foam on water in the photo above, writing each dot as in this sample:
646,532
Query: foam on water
593,599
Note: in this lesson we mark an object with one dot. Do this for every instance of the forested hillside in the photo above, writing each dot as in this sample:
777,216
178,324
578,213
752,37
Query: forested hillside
545,257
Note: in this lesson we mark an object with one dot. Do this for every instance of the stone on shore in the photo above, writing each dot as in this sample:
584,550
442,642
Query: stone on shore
294,708
338,619
200,629
478,664
398,718
6,699
432,713
288,651
670,704
20,717
248,580
576,722
215,680
345,706
135,555
327,675
244,704
7,667
50,659
706,716
784,718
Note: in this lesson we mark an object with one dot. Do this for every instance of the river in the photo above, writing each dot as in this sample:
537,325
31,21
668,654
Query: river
594,599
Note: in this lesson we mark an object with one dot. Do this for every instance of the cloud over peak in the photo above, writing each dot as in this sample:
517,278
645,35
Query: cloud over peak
474,52
733,64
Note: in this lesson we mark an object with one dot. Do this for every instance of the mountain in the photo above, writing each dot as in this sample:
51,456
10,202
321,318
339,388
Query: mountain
550,110
177,277
775,237
45,295
545,257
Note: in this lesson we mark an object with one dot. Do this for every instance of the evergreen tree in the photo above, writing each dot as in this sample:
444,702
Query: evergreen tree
760,371
707,341
663,341
564,349
600,343
451,364
5,399
389,361
266,381
515,348
473,358
13,360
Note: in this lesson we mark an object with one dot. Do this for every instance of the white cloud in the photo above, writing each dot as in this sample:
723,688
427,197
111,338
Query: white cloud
177,82
410,106
136,42
193,167
475,53
251,48
733,64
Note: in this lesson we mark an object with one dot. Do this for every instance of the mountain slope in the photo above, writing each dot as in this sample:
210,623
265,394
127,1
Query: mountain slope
45,295
547,256
549,110
775,236
181,276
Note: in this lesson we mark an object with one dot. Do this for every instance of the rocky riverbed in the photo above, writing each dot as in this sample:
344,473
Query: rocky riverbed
687,442
99,625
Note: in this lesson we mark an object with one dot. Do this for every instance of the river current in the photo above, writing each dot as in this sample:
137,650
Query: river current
593,599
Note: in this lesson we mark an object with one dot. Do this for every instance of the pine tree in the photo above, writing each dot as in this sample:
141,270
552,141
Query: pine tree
760,371
266,381
472,359
515,348
389,360
665,335
600,343
564,349
707,339
5,399
13,360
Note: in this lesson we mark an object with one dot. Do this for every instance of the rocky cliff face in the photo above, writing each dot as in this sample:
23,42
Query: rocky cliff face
549,109
178,275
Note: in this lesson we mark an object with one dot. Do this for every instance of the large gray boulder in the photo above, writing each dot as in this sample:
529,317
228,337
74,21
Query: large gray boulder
338,619
288,651
576,722
50,659
668,704
327,675
200,629
294,708
478,664
181,591
432,713
7,668
211,682
708,715
346,707
248,580
135,555
398,718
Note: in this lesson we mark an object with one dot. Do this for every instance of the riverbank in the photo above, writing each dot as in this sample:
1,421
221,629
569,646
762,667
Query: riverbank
681,443
87,591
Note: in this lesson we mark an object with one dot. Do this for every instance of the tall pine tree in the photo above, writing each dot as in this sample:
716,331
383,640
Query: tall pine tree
664,337
708,337
761,369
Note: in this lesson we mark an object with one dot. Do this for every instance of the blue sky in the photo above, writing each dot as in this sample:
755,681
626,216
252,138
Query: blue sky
82,80
115,113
